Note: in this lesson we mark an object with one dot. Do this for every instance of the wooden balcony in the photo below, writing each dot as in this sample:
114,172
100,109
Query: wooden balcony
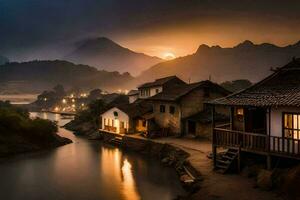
257,143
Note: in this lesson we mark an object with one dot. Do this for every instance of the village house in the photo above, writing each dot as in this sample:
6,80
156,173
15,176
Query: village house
174,105
126,118
264,119
133,95
150,89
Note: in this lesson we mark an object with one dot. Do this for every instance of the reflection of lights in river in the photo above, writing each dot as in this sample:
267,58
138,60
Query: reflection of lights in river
129,188
118,169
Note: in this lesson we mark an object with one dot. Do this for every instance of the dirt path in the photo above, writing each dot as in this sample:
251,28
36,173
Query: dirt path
215,185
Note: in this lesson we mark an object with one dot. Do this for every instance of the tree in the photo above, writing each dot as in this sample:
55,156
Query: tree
59,90
95,94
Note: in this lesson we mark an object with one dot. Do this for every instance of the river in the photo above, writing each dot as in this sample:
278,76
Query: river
85,170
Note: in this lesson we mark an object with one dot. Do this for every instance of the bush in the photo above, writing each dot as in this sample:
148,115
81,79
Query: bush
15,121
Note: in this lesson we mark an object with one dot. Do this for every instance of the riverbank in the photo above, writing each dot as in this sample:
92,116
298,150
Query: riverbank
209,184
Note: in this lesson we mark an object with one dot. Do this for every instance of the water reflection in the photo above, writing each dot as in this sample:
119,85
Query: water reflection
85,170
117,168
129,189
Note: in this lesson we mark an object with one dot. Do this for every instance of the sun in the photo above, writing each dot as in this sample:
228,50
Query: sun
169,56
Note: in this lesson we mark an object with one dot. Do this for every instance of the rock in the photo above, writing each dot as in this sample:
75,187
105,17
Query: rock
264,180
186,178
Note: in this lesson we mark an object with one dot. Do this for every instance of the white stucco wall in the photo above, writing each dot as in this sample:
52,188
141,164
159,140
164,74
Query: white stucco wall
276,119
121,117
276,130
133,98
152,92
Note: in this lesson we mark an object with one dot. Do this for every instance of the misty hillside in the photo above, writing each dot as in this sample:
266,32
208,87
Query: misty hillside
108,55
244,61
3,60
36,76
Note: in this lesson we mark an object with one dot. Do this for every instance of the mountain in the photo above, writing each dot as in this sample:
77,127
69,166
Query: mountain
244,61
3,60
36,76
106,54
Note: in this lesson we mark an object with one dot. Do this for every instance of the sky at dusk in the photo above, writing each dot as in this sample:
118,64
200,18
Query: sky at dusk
48,28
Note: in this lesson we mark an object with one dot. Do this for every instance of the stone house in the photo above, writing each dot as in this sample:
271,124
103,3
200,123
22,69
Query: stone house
173,106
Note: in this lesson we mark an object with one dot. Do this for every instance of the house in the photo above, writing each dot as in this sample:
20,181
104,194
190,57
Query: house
265,118
150,89
133,95
126,118
177,102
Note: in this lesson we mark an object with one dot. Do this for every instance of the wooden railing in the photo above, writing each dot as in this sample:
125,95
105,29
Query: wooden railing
256,142
251,141
282,145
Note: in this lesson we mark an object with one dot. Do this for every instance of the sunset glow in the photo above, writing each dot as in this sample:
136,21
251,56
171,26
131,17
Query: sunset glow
169,56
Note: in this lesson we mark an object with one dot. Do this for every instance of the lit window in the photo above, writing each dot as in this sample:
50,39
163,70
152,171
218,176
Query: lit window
291,125
240,111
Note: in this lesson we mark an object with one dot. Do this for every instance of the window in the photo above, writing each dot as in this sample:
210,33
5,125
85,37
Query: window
240,111
104,122
162,108
172,110
122,124
144,124
157,91
291,126
116,114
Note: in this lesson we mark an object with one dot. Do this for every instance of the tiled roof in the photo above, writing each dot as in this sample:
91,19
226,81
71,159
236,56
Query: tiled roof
133,92
157,82
136,109
178,91
282,88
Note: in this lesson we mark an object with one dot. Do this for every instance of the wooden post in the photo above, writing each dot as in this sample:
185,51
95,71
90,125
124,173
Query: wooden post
231,117
269,162
239,160
214,147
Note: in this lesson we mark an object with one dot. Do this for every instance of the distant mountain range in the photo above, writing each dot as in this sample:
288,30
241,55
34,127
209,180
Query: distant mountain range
105,54
3,60
36,76
244,61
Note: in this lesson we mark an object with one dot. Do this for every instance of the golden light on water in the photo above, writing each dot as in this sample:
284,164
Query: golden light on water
129,188
119,169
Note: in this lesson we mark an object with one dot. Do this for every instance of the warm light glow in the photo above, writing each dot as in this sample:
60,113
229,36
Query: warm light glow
45,99
169,56
56,109
64,101
73,100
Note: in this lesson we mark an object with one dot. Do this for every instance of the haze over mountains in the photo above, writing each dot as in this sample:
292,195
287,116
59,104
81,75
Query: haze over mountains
3,60
104,53
37,76
244,61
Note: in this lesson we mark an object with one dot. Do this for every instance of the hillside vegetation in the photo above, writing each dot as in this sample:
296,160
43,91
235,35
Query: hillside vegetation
19,133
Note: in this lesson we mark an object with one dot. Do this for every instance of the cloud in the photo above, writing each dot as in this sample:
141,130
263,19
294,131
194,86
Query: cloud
30,26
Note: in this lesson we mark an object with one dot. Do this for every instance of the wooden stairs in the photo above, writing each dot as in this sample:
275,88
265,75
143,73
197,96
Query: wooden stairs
225,162
116,141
